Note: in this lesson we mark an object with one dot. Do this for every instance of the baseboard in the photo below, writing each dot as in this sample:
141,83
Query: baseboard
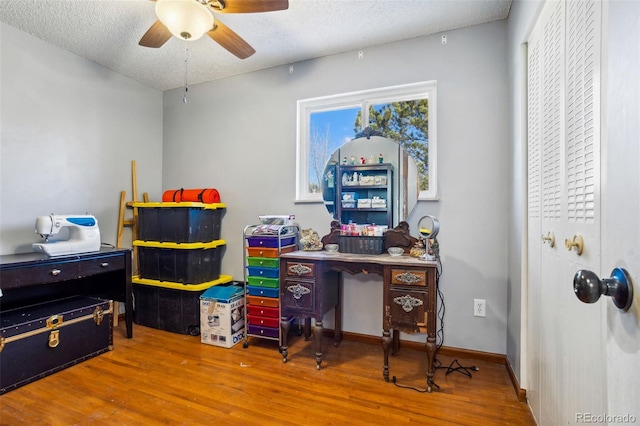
444,350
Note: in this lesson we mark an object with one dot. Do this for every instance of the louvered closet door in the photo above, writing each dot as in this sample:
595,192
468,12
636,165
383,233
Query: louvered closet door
566,344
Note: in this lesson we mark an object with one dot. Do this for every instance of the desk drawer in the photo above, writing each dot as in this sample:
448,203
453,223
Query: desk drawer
39,274
408,277
408,309
298,297
100,265
300,270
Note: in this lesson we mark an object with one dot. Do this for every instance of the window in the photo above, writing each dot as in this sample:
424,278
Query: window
405,113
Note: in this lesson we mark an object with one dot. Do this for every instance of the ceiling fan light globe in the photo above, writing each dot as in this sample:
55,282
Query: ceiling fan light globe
186,19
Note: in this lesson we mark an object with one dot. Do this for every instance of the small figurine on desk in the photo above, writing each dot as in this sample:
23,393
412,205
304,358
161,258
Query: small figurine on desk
344,161
370,161
380,158
352,160
362,160
310,240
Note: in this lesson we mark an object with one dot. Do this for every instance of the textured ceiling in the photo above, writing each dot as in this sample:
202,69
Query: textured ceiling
107,32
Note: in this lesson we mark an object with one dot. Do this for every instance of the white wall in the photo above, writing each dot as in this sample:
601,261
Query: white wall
69,130
239,136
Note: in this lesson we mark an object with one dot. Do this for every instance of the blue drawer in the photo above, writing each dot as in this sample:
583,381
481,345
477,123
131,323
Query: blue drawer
263,272
263,291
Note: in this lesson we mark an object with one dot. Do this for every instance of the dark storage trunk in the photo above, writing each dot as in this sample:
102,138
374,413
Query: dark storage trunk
39,340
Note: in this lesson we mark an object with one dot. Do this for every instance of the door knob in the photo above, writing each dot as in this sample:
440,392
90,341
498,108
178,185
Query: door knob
577,241
588,287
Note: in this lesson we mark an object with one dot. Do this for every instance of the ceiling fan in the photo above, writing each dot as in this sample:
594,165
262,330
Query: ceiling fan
190,19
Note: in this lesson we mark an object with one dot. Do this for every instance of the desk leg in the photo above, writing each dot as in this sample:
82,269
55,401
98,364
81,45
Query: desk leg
431,356
284,332
338,317
396,342
128,302
128,314
318,330
386,346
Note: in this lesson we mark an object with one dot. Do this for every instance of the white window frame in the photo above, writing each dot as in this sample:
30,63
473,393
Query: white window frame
364,99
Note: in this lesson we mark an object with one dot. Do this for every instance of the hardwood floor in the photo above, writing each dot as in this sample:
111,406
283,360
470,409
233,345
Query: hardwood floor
164,378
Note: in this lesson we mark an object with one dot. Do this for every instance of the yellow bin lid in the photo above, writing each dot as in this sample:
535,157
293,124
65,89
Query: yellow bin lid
172,245
179,286
195,204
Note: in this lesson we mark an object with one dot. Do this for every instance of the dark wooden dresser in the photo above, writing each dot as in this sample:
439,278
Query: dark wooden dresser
310,287
30,278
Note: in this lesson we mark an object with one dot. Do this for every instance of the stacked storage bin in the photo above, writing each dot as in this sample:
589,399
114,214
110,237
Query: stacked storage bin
262,278
179,254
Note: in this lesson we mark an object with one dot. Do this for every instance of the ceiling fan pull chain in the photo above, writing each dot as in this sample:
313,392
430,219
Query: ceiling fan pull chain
186,74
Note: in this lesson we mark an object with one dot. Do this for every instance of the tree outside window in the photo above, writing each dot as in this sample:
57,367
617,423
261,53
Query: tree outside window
405,114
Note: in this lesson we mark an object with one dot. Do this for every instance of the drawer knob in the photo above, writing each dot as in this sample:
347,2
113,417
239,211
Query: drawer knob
408,278
104,264
299,269
298,291
407,302
55,272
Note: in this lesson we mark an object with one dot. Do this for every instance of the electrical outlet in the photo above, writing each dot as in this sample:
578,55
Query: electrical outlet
479,308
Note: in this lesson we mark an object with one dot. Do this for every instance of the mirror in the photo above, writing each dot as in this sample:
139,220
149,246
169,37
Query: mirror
428,227
370,180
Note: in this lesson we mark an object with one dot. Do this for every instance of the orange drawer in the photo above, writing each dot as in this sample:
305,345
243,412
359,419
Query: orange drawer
263,321
268,252
261,311
269,302
299,269
408,277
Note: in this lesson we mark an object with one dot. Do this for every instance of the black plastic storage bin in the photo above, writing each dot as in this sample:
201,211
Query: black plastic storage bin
179,222
186,263
169,306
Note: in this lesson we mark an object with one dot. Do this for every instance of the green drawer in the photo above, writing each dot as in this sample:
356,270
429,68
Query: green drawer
267,262
264,282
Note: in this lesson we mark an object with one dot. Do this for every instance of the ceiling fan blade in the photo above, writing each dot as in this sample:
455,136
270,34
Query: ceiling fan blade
248,6
155,36
230,40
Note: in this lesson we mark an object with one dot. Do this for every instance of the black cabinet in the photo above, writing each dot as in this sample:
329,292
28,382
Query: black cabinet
364,194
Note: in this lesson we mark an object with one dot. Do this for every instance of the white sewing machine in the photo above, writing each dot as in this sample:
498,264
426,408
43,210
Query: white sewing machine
76,234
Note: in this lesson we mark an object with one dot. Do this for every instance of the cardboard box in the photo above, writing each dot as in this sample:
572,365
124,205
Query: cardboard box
222,316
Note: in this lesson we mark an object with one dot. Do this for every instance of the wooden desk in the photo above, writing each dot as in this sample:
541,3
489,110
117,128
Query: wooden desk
309,287
30,278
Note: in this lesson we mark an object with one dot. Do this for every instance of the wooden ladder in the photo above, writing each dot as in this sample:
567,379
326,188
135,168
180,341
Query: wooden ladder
132,223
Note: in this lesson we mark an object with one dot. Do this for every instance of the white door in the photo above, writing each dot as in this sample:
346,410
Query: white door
566,343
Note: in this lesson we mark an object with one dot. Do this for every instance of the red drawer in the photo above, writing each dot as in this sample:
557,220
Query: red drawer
261,311
263,321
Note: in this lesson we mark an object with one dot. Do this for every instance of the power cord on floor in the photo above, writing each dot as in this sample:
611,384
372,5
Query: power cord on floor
395,382
456,366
